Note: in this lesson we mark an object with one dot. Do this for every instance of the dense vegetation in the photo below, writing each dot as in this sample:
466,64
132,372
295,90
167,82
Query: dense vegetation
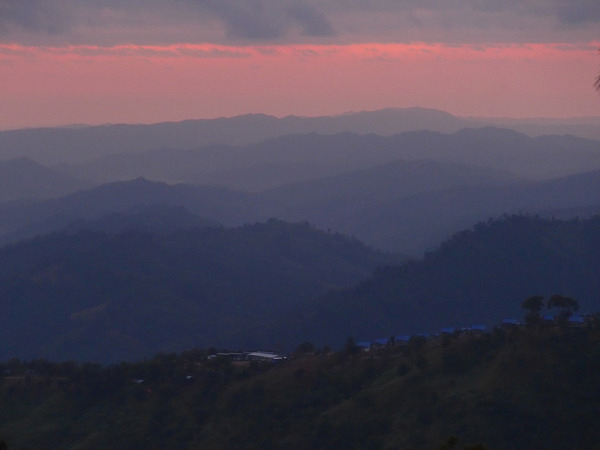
106,297
477,276
121,295
523,388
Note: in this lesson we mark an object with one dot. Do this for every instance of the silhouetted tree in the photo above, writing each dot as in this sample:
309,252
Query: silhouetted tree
534,306
566,305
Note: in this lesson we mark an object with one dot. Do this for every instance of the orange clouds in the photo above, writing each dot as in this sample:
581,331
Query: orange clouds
149,83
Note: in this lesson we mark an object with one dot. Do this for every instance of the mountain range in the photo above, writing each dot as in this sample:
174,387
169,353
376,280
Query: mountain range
125,294
22,178
406,207
157,237
479,276
83,143
304,157
106,296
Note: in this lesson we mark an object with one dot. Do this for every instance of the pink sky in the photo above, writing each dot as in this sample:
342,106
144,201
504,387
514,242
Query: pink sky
145,84
67,61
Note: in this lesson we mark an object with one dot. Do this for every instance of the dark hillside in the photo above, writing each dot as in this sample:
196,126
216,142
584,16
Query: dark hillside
507,390
126,295
477,276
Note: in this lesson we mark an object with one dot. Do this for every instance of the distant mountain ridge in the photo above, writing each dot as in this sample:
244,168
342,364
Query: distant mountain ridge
23,178
75,145
84,143
20,220
408,206
294,158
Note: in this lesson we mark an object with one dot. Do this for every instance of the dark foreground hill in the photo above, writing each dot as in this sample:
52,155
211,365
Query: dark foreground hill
477,276
97,296
520,389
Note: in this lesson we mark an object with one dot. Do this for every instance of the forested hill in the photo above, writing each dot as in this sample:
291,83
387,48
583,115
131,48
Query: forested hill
95,296
520,389
100,296
478,276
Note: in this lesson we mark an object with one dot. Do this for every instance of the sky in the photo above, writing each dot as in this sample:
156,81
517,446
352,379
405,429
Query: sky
145,61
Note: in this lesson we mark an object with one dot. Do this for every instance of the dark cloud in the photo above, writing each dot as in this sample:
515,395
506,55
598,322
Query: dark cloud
578,12
313,23
34,15
267,19
107,22
250,20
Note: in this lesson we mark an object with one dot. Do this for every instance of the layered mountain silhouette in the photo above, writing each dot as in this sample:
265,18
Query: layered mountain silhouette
206,233
409,207
70,145
105,296
23,178
479,276
295,158
85,143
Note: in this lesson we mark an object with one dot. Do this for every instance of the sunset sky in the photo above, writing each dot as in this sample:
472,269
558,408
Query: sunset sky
145,61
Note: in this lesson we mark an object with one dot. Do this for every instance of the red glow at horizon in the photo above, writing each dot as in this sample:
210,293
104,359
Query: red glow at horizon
364,50
144,83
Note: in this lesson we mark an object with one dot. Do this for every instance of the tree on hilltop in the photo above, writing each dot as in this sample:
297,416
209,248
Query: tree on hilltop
566,305
534,305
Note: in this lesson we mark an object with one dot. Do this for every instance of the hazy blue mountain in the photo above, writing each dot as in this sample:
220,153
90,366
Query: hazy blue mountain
293,158
81,144
256,166
26,219
403,206
23,178
335,201
413,206
478,276
72,145
154,218
98,296
587,127
420,222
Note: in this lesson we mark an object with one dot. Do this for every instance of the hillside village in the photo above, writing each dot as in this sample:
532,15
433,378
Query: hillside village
566,318
402,390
